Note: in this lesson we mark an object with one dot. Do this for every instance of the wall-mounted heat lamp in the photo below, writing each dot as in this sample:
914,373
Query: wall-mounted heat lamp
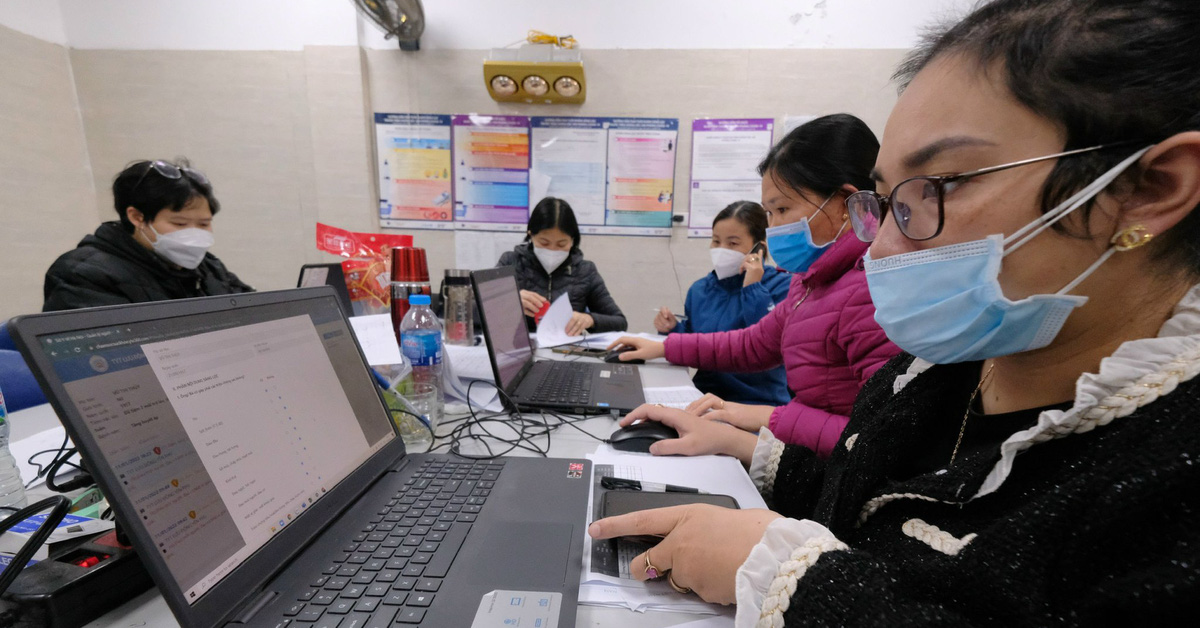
538,74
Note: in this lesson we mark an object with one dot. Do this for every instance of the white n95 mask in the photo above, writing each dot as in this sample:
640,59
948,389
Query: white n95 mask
726,262
185,247
550,259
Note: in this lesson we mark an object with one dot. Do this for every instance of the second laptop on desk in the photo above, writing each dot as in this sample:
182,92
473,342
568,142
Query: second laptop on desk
578,387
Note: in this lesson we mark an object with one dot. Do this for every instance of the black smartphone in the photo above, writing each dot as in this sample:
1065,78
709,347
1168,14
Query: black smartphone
618,502
758,248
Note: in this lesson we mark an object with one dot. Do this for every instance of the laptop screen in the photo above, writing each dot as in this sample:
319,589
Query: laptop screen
225,427
500,305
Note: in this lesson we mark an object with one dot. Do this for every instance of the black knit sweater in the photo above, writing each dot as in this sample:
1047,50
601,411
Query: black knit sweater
1096,528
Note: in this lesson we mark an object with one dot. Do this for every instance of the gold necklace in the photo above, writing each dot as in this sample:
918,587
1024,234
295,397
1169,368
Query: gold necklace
962,430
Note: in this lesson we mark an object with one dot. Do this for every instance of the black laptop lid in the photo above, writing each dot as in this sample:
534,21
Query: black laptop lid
503,324
226,431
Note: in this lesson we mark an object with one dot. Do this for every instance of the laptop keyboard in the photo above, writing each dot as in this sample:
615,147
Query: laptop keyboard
565,382
390,574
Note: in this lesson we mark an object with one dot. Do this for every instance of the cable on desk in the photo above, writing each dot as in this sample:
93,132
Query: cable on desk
530,430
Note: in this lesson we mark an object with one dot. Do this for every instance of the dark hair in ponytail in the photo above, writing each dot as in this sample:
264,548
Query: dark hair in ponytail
1105,71
824,154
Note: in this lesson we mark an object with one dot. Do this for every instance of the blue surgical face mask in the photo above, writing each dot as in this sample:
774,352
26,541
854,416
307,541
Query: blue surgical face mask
792,245
945,305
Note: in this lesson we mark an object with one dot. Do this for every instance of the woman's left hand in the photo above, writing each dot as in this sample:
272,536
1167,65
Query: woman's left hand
752,265
704,545
579,323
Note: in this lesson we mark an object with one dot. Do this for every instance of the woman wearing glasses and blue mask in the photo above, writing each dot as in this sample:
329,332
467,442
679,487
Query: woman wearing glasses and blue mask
824,332
157,251
1031,459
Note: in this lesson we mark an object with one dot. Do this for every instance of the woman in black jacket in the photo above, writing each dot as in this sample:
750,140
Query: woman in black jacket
550,263
1033,460
157,251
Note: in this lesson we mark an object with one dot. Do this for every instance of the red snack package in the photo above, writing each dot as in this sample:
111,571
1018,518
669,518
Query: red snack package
368,277
537,318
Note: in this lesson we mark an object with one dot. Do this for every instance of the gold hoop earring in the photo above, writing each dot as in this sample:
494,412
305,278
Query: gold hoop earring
1131,238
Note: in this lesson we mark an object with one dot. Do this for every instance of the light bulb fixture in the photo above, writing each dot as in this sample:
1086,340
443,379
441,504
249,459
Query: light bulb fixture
535,85
539,74
503,85
566,86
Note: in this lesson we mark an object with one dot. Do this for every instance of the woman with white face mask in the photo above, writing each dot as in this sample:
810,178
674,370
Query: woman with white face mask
739,292
1032,459
157,251
549,263
824,333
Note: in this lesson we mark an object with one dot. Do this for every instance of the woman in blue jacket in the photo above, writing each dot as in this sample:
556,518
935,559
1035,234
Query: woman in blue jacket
738,293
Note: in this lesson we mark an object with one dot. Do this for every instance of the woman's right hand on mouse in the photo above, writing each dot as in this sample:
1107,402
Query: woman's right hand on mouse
697,436
643,349
748,417
531,302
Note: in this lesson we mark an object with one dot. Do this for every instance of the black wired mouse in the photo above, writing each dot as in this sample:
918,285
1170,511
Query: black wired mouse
614,356
639,436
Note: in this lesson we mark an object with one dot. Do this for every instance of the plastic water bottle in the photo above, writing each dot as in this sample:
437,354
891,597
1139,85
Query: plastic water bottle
421,343
12,489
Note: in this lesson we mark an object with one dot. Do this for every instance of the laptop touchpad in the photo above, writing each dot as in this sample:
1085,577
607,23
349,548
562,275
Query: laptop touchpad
518,555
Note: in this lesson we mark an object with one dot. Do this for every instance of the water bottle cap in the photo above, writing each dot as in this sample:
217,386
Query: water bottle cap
418,299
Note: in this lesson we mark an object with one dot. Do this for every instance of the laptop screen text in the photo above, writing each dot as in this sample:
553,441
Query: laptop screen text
226,427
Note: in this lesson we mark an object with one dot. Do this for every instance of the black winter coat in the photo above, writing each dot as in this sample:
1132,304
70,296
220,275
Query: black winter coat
576,276
109,267
1100,527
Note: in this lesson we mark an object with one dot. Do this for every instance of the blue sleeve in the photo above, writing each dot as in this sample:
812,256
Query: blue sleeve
779,284
756,303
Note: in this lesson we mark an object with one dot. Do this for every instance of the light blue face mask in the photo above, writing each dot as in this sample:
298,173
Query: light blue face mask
792,245
945,305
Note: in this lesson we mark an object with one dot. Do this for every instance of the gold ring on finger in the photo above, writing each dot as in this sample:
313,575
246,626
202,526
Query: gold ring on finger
652,572
671,581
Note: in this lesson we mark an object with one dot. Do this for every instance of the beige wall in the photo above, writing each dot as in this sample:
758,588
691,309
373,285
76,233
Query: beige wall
46,197
286,138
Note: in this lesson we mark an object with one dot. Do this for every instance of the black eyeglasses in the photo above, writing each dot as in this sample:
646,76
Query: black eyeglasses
918,204
169,170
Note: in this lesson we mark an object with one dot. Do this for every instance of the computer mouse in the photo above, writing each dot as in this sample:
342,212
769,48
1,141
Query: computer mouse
639,436
614,356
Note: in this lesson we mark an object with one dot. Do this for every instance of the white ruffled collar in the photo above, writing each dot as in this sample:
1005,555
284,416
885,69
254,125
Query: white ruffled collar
1136,374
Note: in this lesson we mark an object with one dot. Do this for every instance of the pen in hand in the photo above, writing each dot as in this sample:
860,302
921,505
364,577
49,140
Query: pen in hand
612,483
678,317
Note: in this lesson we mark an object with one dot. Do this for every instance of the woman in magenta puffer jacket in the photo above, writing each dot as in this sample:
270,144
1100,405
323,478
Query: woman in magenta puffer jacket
824,332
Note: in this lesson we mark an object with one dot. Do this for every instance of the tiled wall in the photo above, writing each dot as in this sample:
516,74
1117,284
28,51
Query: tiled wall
286,139
46,197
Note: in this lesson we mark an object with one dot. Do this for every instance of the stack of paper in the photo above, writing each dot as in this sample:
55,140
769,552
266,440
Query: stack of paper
601,586
462,365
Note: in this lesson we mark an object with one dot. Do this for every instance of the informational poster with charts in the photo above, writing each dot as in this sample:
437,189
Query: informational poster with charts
569,161
414,171
641,175
618,174
725,158
491,172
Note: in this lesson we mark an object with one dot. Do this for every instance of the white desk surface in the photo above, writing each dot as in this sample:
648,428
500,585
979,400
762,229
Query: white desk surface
149,608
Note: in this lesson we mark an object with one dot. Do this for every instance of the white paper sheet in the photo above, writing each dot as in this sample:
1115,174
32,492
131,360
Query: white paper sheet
471,362
673,396
377,339
552,331
26,447
457,385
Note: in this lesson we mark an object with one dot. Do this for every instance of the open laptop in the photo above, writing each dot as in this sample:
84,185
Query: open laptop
577,386
312,275
246,450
